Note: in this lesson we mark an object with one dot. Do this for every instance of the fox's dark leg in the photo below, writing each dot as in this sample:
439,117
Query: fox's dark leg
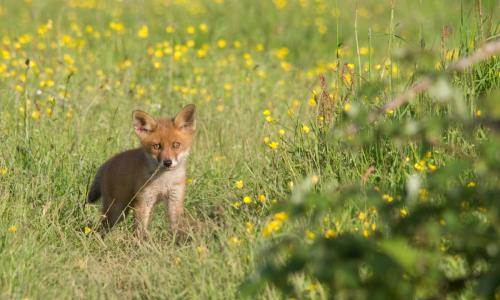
113,212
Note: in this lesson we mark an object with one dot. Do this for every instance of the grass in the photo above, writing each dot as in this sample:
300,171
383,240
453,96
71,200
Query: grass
91,65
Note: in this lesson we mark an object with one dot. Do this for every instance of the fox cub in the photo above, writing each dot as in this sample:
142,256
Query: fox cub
140,178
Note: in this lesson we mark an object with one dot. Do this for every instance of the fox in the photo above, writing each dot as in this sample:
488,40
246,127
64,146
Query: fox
138,179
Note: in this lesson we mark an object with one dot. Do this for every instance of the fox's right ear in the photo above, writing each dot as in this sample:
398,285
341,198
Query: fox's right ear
143,123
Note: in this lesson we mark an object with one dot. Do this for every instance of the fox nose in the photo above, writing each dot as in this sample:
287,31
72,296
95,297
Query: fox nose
167,163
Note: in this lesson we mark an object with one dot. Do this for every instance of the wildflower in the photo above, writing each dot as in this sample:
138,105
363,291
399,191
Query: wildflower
117,27
220,108
238,184
373,226
364,51
423,194
403,212
247,200
282,53
350,66
169,29
35,115
420,166
290,184
314,179
236,44
12,229
282,216
203,27
266,112
281,132
269,119
305,129
221,43
249,227
471,184
366,233
236,205
201,249
190,30
330,234
201,53
478,113
3,171
228,87
262,198
143,32
87,230
273,145
387,198
234,241
285,66
259,47
347,107
432,167
312,102
361,216
310,235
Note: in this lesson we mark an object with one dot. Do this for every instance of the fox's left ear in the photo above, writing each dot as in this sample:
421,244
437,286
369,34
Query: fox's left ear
185,119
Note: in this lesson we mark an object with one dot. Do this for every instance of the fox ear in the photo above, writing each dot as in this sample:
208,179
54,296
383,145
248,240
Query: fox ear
143,123
185,119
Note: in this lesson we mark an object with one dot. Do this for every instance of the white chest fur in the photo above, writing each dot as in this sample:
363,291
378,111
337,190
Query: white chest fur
165,185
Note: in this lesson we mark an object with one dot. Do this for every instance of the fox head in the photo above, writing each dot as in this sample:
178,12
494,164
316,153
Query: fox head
167,140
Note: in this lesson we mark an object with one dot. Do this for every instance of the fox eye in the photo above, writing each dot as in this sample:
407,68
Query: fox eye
176,145
156,146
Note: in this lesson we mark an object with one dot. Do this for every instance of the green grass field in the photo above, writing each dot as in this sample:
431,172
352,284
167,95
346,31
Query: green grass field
252,68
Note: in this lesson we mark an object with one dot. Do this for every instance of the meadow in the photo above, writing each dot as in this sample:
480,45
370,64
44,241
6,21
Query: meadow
295,154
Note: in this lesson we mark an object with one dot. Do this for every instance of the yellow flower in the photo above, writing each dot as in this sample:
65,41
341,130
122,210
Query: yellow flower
420,166
228,87
281,216
203,27
269,119
361,216
432,167
249,227
366,233
236,205
305,129
312,102
190,30
310,235
201,249
87,230
273,145
143,32
12,229
387,198
423,193
330,234
281,132
364,51
201,53
247,200
259,47
169,29
234,241
266,112
238,184
471,184
262,198
221,43
3,171
347,107
403,212
35,115
282,53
